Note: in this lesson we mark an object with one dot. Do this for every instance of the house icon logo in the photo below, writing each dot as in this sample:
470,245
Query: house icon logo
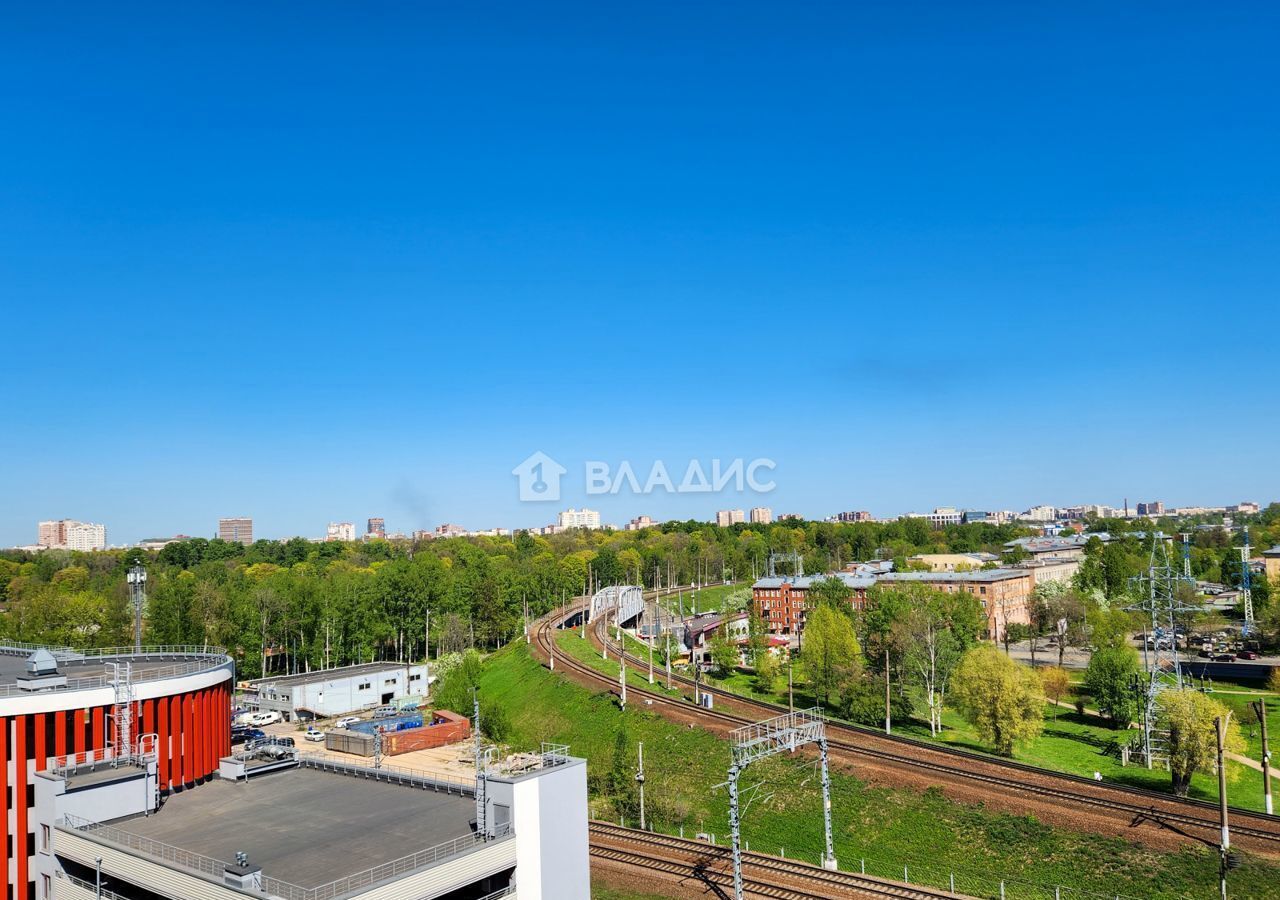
539,478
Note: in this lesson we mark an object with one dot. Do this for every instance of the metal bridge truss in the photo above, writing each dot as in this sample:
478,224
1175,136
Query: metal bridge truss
626,599
781,734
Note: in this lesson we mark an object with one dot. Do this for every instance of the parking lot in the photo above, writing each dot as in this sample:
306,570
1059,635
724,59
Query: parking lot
450,761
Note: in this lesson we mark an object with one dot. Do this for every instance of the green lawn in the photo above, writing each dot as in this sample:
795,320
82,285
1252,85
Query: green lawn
1075,744
708,599
887,828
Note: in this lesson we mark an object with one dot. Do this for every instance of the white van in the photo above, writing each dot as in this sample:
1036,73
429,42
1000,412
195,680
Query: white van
259,719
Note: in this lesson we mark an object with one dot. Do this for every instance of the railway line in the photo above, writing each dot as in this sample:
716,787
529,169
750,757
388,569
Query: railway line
704,866
1088,805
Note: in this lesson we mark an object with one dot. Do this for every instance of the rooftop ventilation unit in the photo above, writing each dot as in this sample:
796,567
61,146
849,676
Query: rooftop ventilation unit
42,672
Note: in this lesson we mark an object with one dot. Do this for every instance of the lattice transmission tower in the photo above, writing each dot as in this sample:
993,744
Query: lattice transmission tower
1159,603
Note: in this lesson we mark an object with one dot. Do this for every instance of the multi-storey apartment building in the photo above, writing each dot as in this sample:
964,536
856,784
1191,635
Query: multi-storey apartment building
237,530
340,531
761,515
579,518
68,534
726,517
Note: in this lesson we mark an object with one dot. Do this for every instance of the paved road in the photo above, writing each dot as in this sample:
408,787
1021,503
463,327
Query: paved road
1077,659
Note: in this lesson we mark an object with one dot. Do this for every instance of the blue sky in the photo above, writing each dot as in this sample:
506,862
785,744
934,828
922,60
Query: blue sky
321,262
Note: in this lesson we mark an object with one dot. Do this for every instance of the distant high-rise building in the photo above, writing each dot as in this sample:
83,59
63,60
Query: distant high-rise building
52,534
68,534
447,530
579,518
726,517
86,536
855,516
761,515
638,523
1154,508
236,530
340,531
377,528
790,517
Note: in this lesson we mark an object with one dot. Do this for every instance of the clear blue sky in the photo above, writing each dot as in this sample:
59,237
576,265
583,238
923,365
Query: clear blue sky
325,261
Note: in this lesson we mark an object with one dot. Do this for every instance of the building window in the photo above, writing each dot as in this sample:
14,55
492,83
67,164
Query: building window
44,838
364,686
46,885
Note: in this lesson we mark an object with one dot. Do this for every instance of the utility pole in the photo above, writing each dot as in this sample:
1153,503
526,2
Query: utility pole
888,723
791,700
640,782
1260,709
622,677
668,634
1220,723
651,653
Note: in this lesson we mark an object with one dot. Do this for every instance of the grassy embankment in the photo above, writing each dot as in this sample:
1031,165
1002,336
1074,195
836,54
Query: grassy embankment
1071,743
887,828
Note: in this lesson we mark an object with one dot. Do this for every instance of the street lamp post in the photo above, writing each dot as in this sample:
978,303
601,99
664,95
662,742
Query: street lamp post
137,578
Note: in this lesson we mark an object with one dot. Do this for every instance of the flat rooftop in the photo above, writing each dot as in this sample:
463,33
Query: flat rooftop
13,665
322,675
306,826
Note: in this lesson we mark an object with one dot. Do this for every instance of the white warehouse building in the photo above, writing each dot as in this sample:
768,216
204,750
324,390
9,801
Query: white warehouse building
334,692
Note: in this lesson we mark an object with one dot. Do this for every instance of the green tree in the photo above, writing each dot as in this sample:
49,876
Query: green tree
1000,698
1188,716
1109,678
767,667
1055,682
832,592
830,652
724,655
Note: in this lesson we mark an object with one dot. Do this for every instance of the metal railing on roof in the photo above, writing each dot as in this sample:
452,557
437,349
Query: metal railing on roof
208,866
93,889
395,774
73,654
197,659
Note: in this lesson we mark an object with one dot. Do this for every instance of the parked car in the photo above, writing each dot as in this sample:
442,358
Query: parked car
240,735
345,721
314,734
1225,657
1247,654
266,717
385,712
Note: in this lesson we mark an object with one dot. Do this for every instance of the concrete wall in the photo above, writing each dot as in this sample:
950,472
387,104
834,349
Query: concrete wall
548,810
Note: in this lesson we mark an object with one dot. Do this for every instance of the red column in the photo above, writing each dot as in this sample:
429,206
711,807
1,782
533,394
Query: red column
77,731
162,740
40,756
60,733
4,791
99,739
197,758
175,740
210,732
188,739
20,850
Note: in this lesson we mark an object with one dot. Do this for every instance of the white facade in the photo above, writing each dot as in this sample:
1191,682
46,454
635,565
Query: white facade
761,515
1040,514
68,534
340,531
579,518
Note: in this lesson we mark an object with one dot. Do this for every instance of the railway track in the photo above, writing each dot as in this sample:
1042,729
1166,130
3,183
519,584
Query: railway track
762,875
1194,819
